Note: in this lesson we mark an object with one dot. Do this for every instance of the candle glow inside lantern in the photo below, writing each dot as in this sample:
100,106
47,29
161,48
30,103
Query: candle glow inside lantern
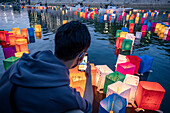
135,60
138,35
137,20
7,37
102,71
16,31
157,27
2,35
19,54
112,78
132,81
123,34
119,42
126,44
126,68
114,103
121,59
9,52
146,63
131,37
120,88
149,95
21,45
38,32
93,74
118,33
77,80
12,39
165,33
9,61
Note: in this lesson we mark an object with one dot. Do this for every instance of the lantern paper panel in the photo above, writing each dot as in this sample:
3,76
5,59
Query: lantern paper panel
132,81
121,59
123,34
2,35
120,88
135,60
112,78
114,103
7,37
19,54
102,71
93,74
131,37
64,21
119,41
9,61
126,68
9,52
118,33
146,63
24,32
149,95
126,44
117,51
21,45
16,31
138,35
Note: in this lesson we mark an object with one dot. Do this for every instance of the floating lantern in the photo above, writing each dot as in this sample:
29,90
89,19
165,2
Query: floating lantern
135,60
126,44
131,21
145,22
142,20
119,42
113,104
64,21
112,19
153,25
2,35
163,15
125,29
93,74
38,31
157,27
21,45
77,79
131,27
19,54
112,78
126,68
102,71
165,33
31,35
62,12
9,61
12,39
105,17
161,35
118,33
138,35
9,51
132,81
120,88
7,37
149,26
121,59
117,51
119,19
16,31
127,17
123,34
101,19
136,20
149,95
24,32
146,63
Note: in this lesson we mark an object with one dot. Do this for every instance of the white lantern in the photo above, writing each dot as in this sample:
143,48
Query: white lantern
138,35
121,59
165,33
102,71
132,81
120,88
131,37
105,17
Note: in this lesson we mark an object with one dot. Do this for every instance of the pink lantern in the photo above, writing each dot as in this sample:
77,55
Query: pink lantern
142,20
7,37
119,19
144,28
121,59
126,68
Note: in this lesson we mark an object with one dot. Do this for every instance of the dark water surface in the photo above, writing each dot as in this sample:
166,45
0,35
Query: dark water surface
101,51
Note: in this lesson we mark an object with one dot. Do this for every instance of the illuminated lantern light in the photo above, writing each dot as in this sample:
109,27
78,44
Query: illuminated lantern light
112,78
119,19
64,21
19,54
130,12
110,17
145,22
123,34
9,51
102,71
125,29
132,81
7,37
149,95
119,42
157,27
137,20
138,35
120,88
121,59
149,26
93,74
31,35
77,79
153,25
131,27
143,34
9,61
145,64
135,60
105,17
162,32
142,20
117,51
131,37
12,39
21,45
24,32
127,17
114,103
2,35
118,33
101,19
16,31
62,12
38,31
126,44
126,68
165,33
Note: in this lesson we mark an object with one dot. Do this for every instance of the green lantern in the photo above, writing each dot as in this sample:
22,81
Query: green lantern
131,21
112,78
9,61
79,14
126,44
118,33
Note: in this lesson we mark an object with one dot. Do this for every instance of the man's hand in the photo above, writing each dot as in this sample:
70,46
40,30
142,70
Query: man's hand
88,70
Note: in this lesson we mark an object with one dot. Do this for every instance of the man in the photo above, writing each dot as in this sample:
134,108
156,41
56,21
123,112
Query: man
39,83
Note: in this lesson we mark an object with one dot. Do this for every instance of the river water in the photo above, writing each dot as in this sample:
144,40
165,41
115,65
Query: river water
102,48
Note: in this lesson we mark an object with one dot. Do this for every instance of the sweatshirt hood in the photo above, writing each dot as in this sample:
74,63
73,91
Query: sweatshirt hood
41,69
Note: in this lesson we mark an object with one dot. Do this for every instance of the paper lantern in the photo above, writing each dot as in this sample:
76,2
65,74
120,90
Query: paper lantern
153,25
121,59
102,71
2,35
16,31
149,26
105,17
123,34
145,22
131,26
131,37
118,33
137,20
12,39
31,35
101,19
126,44
21,45
9,51
149,95
112,19
38,31
132,81
7,37
77,79
165,33
119,41
142,20
93,74
126,68
120,88
161,35
131,21
146,63
119,19
125,29
117,51
144,28
127,17
135,60
19,54
157,27
112,78
114,103
24,32
9,61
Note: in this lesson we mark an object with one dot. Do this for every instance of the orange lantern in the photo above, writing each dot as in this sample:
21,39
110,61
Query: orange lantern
12,39
93,74
149,95
64,21
123,34
16,31
21,45
24,32
38,31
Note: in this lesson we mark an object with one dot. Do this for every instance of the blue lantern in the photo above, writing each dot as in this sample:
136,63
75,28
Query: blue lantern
149,14
145,22
101,19
31,35
125,29
149,26
112,19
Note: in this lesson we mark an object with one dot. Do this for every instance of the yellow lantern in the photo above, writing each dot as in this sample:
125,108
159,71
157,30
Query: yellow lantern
136,20
127,17
81,13
19,54
64,21
21,45
16,31
123,34
162,33
38,32
62,12
160,29
157,28
105,16
130,12
165,33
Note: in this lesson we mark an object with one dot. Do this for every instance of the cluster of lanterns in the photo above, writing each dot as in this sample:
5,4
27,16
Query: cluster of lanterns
15,43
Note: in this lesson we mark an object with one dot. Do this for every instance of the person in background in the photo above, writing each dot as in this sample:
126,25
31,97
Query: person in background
39,83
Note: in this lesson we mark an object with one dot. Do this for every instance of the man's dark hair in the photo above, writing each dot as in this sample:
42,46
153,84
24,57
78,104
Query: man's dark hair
71,39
